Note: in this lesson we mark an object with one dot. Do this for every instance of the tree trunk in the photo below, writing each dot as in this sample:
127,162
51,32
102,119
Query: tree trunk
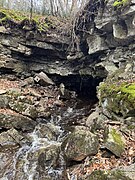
31,9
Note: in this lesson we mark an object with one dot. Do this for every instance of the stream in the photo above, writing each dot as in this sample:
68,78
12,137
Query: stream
40,157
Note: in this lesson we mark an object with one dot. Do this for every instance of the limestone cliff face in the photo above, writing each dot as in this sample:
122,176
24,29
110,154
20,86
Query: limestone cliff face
106,45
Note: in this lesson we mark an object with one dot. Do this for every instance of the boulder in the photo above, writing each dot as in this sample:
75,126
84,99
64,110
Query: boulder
9,119
79,144
43,79
115,142
118,97
11,138
96,44
93,121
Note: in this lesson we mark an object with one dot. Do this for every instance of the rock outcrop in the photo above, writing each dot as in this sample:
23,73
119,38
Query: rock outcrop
104,49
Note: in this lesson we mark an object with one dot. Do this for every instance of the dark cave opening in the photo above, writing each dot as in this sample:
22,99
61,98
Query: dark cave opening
84,85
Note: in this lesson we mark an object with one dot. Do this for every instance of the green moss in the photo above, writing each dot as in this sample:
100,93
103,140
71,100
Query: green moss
12,15
119,92
129,89
119,3
42,23
131,127
117,137
115,142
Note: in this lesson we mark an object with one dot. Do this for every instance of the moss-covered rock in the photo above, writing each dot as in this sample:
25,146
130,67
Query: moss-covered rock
22,19
115,142
118,97
79,144
121,3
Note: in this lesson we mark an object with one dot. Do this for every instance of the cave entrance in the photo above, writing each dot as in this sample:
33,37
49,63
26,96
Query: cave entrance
84,85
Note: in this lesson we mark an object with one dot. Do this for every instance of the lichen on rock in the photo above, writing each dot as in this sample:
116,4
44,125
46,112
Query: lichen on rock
115,142
79,144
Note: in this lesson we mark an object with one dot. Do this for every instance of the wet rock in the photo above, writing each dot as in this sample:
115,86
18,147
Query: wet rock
48,156
11,138
41,159
48,131
115,142
79,144
43,79
9,120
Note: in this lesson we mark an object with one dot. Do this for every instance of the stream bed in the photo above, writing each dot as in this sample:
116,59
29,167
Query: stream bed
36,154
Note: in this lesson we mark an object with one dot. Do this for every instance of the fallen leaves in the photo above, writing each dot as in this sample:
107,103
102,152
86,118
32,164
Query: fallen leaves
6,84
7,111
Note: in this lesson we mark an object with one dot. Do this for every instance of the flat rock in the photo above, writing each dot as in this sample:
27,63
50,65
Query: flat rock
14,120
43,79
2,91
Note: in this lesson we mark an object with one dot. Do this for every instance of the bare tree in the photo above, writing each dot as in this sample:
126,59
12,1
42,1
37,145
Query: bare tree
54,7
1,3
31,9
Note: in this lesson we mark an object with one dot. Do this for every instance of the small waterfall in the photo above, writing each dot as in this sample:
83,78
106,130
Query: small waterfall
40,156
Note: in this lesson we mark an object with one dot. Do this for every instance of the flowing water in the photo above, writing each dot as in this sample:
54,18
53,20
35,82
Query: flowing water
40,156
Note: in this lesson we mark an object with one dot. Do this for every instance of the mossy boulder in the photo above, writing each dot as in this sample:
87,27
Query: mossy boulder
79,144
115,142
118,97
42,24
